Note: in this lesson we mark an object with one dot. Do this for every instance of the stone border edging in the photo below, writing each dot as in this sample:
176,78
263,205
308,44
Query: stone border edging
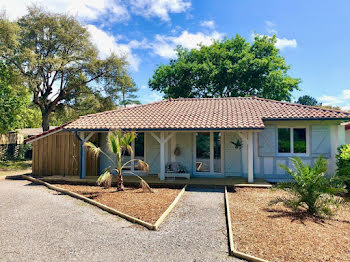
232,250
109,209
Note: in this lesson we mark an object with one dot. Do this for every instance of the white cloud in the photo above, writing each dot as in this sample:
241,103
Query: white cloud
284,43
143,87
165,45
159,8
270,27
153,97
107,43
281,43
342,100
209,24
85,9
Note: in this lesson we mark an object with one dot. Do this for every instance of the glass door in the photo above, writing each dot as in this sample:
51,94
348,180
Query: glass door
208,152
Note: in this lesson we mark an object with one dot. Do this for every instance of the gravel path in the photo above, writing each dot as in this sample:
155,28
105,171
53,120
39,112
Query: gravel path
38,224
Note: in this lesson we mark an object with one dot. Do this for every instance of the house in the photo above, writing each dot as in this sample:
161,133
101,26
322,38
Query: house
11,142
201,137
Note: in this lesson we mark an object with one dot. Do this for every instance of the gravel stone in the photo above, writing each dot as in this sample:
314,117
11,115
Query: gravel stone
38,224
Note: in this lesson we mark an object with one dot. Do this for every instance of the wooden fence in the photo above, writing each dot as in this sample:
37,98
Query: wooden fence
59,155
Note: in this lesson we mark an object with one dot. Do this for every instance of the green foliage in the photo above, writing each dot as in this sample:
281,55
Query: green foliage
118,144
15,165
14,100
310,187
127,90
86,103
232,67
343,164
58,62
308,101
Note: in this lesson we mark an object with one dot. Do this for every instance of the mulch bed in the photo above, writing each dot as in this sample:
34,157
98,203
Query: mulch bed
133,201
276,233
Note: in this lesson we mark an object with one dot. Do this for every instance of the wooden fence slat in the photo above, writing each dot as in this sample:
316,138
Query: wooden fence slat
59,154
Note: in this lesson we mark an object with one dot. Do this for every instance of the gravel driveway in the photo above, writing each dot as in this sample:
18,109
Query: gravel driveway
38,224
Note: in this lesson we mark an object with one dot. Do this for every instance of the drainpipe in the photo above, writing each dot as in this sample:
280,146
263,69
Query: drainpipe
82,155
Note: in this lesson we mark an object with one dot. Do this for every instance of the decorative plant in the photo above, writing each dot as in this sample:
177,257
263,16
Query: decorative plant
343,164
119,143
311,188
237,144
177,151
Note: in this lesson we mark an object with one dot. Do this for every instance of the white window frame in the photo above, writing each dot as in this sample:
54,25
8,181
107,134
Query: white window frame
211,147
292,141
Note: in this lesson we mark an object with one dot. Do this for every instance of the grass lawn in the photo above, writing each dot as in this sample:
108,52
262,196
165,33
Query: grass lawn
276,233
145,206
15,167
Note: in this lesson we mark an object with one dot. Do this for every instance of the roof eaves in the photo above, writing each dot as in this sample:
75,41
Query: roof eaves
164,129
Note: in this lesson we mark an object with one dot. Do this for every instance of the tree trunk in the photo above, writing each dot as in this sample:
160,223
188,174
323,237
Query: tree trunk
120,182
45,121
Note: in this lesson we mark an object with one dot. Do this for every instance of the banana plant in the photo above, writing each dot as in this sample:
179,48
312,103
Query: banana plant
118,144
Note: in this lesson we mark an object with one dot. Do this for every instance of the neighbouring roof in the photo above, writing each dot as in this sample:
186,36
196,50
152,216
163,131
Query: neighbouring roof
46,133
203,113
31,131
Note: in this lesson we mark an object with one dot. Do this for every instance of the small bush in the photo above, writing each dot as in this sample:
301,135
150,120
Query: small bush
311,188
343,164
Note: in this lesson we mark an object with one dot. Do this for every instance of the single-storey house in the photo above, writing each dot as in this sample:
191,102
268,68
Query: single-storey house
199,137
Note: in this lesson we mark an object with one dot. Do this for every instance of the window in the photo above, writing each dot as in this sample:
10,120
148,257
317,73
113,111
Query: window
140,146
292,140
139,151
217,152
203,152
284,140
208,152
299,140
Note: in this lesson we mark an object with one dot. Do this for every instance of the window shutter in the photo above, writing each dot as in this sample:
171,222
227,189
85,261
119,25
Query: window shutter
267,142
320,141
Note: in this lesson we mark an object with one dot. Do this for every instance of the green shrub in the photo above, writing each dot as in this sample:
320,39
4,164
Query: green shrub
311,188
343,164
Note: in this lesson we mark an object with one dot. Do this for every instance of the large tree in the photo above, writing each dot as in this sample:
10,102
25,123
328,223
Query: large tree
13,100
87,102
308,101
127,91
231,67
56,59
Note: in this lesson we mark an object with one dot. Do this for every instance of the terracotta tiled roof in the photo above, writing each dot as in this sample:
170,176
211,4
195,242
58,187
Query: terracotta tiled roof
203,113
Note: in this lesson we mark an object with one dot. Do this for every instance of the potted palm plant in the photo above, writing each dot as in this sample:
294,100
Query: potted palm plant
118,144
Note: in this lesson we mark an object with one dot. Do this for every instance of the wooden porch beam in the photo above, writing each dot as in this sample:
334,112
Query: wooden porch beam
250,158
83,139
162,156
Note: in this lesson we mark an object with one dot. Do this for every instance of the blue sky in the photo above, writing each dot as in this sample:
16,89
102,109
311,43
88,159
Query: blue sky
313,35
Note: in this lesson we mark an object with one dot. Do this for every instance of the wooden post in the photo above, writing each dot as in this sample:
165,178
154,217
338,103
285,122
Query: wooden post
132,156
172,148
211,139
82,157
82,139
162,140
162,156
250,158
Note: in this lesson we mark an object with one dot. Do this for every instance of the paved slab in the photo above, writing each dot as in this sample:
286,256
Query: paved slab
38,224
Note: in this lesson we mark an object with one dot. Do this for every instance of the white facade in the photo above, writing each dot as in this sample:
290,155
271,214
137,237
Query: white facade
258,157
